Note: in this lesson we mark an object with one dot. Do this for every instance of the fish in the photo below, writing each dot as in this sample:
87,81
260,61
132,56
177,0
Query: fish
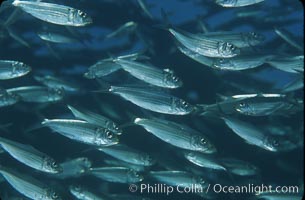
56,37
296,84
30,156
238,39
56,83
177,135
82,193
54,13
96,119
117,174
37,94
152,99
73,168
8,99
203,160
237,3
205,46
120,163
255,136
102,68
165,78
126,28
178,178
289,38
28,186
253,105
294,64
82,131
239,167
129,155
144,7
10,69
237,63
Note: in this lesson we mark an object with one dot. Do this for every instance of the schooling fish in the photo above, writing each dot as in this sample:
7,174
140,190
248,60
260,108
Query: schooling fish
83,193
30,156
205,46
8,99
116,174
13,69
153,99
237,3
53,82
82,131
28,186
54,13
128,154
73,168
37,94
165,78
96,119
55,37
176,134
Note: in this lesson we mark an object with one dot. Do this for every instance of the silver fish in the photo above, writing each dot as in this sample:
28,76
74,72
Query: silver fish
205,46
96,119
240,40
178,178
237,63
237,3
293,64
254,105
28,186
204,160
159,77
8,99
144,7
13,69
239,167
289,38
128,154
102,68
117,174
30,156
82,131
37,94
126,28
53,82
255,136
296,84
54,13
176,134
153,100
74,168
242,62
55,37
119,163
83,193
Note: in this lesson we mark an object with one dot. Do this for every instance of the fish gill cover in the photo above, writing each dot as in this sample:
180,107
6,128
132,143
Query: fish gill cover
151,99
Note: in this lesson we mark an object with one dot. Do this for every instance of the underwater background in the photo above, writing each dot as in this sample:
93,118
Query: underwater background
201,84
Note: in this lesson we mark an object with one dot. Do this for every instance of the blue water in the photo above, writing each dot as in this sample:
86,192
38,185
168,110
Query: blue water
201,84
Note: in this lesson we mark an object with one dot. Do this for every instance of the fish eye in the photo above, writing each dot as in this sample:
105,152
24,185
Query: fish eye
275,143
116,128
54,164
203,141
82,14
184,103
109,134
242,104
175,78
